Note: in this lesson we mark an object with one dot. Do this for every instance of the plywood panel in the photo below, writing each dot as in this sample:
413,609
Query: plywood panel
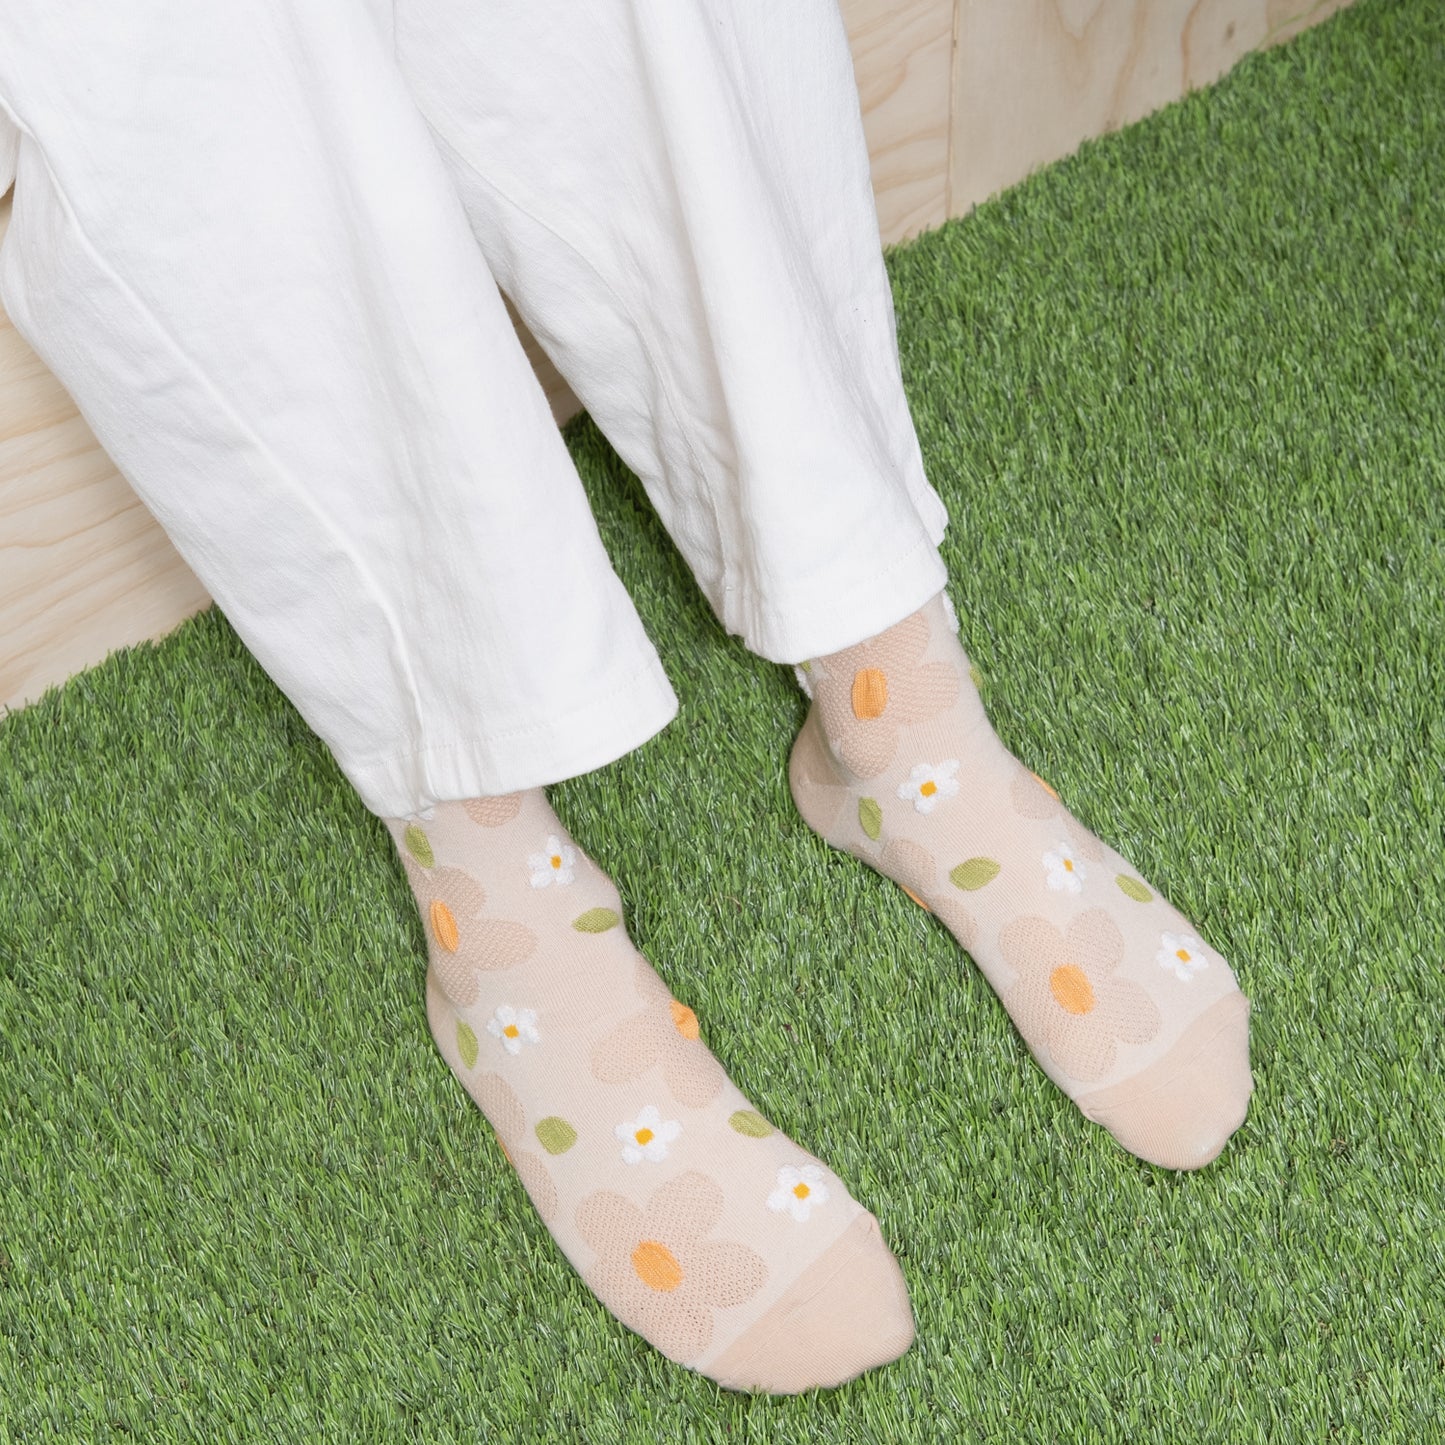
902,61
1287,18
1034,78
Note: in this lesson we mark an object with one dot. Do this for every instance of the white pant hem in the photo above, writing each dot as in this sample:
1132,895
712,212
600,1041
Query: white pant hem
623,716
832,611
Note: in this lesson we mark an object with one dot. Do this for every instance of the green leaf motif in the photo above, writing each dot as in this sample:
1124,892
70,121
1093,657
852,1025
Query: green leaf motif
555,1135
870,817
973,873
596,920
974,675
751,1123
466,1043
1133,888
419,846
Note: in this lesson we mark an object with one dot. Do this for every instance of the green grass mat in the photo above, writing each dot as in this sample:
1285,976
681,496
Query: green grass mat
1184,397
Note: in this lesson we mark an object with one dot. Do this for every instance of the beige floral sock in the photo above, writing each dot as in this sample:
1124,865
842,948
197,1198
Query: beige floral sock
696,1223
1125,1007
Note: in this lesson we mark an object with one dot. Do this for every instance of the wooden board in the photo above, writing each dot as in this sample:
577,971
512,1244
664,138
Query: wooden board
903,63
1034,78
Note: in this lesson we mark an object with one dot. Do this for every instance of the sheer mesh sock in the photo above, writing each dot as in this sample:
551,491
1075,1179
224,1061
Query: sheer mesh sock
698,1224
1121,1002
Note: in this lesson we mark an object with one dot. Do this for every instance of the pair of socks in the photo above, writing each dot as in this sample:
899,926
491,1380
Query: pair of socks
695,1221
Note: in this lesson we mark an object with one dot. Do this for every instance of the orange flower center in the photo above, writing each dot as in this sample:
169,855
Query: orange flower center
801,1191
929,788
656,1266
1182,954
1071,989
684,1020
444,925
511,1031
643,1136
556,860
1069,865
870,693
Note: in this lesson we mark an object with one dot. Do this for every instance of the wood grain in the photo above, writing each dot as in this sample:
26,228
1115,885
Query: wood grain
903,61
1034,78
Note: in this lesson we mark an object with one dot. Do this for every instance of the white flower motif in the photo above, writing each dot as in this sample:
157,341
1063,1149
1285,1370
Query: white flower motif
647,1136
798,1191
928,784
1066,873
514,1026
553,864
1182,954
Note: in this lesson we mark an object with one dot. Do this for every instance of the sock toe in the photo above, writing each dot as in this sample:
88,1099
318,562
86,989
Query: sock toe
846,1313
1180,1111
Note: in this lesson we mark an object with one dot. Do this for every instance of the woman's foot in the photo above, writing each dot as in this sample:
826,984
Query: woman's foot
693,1220
1123,1005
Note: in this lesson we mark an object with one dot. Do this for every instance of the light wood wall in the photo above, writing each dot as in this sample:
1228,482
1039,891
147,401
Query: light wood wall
960,99
1033,78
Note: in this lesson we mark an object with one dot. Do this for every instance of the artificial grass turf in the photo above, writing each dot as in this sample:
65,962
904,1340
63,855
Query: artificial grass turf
1183,397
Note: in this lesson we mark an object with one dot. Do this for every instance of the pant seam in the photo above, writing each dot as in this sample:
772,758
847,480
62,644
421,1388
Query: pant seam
638,328
234,417
647,667
768,615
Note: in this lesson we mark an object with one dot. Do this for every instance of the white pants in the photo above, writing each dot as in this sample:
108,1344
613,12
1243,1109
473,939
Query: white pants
261,244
